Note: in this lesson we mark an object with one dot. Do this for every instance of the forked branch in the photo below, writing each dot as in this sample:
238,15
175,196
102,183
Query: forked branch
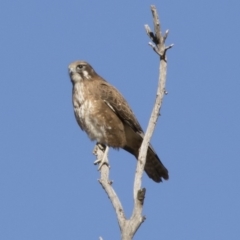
129,227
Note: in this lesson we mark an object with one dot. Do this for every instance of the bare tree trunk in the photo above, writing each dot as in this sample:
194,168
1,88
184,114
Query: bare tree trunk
128,227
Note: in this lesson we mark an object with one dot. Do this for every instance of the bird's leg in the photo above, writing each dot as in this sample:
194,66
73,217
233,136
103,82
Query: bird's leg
101,151
104,158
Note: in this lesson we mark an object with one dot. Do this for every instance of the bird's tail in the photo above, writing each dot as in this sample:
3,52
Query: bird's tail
153,167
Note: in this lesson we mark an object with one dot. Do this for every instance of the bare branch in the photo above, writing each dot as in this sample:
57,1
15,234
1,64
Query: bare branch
150,33
129,227
156,22
158,41
168,47
101,152
165,35
160,49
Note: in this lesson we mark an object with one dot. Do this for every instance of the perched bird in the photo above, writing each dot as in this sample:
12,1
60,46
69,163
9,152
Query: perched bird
103,113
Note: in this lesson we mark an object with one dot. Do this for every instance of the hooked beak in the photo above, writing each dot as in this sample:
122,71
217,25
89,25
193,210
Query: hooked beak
71,70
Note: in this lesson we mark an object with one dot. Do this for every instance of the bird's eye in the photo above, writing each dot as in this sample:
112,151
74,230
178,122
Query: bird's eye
79,67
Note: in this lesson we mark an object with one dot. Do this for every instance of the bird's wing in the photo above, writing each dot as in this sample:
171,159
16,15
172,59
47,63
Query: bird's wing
113,98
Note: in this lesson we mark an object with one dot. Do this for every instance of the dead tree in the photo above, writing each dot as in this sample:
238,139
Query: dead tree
128,227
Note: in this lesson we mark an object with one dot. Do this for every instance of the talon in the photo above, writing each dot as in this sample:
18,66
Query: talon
102,147
97,161
102,160
101,163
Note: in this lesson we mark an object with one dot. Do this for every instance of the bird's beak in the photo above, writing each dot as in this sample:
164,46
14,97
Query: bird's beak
70,70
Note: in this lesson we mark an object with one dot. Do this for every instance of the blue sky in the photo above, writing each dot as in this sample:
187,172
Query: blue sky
48,183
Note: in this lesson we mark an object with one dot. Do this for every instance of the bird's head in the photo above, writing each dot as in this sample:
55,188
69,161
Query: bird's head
80,71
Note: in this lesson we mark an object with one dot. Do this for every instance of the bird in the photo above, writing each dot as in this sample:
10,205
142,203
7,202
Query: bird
103,113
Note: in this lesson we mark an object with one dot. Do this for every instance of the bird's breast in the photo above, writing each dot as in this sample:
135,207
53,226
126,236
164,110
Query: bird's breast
97,118
79,94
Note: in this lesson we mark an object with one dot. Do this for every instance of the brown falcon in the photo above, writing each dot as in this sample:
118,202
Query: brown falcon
103,113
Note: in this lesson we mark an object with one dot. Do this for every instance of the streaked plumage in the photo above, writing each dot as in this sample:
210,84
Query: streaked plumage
103,113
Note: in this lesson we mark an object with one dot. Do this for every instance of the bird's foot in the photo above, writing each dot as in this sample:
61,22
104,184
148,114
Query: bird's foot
101,152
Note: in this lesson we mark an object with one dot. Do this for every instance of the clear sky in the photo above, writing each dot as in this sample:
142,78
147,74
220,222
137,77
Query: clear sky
48,183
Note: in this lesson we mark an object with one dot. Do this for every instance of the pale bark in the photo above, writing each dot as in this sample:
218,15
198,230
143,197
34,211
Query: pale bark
128,227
